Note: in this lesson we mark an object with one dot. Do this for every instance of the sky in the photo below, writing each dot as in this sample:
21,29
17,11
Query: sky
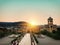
30,11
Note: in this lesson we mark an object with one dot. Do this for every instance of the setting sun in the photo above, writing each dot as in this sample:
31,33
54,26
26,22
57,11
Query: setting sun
33,23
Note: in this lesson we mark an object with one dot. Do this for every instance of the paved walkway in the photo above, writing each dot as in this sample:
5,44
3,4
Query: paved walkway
26,40
44,40
6,40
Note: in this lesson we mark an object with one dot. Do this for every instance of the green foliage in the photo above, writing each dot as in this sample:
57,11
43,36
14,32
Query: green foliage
2,34
53,31
44,32
54,34
58,31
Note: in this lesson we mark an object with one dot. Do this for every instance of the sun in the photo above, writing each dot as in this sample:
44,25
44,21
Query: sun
33,23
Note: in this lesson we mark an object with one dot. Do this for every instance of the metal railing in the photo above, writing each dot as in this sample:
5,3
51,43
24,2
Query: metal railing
33,41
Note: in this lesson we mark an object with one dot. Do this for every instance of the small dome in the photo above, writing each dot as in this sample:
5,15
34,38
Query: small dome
50,18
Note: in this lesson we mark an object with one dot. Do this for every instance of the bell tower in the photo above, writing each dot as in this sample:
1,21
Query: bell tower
50,23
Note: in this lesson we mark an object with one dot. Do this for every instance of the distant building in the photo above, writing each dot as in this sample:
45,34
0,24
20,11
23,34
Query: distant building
23,26
50,26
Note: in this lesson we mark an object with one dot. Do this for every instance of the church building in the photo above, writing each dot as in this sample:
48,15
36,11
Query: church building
50,26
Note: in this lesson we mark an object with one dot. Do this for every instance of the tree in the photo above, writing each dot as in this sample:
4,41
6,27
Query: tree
53,31
58,31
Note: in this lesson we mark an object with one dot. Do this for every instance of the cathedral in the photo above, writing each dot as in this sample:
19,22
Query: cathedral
50,26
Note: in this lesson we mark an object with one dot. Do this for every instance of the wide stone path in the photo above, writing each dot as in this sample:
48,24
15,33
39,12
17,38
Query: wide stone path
6,40
44,40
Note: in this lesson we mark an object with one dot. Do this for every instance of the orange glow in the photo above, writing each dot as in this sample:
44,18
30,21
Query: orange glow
33,23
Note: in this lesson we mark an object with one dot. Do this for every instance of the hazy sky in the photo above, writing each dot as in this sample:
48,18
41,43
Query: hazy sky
30,10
